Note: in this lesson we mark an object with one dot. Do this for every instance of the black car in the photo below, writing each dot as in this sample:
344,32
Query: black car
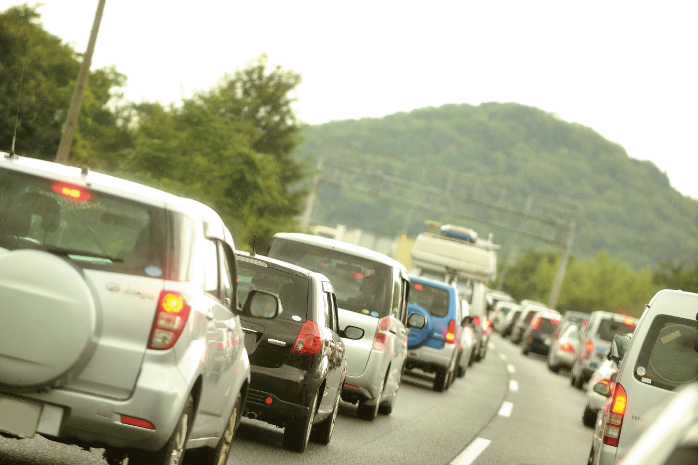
538,336
298,361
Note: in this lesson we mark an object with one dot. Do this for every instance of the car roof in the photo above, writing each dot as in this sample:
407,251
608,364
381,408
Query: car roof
342,247
433,282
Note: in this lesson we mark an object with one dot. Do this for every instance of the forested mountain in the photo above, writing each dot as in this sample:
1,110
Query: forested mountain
626,206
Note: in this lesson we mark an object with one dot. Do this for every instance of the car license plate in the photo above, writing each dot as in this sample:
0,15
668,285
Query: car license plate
19,417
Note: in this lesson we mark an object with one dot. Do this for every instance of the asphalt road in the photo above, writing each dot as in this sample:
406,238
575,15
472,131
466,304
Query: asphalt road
509,409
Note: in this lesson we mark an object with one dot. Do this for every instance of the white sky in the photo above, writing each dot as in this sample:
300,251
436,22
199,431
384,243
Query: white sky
627,69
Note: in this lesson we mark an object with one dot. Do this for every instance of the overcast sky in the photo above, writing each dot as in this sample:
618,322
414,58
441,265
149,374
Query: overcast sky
627,69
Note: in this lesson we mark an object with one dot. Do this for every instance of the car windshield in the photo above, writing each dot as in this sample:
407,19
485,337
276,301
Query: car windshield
95,230
292,290
360,284
609,327
434,299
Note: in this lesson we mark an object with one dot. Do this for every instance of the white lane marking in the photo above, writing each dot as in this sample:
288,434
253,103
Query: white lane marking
513,385
502,356
490,346
510,368
471,452
505,409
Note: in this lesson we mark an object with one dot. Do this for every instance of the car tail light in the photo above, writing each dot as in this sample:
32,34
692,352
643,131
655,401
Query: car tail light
381,334
136,422
309,340
171,317
71,192
588,348
608,383
614,418
536,322
567,347
476,321
451,333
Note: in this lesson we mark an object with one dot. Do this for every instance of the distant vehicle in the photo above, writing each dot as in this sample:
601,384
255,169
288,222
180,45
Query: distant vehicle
539,334
661,357
594,342
126,294
510,321
597,396
499,316
298,360
524,321
578,319
436,348
563,348
494,297
372,291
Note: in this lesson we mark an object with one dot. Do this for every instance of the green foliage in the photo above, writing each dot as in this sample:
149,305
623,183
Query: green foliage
599,283
671,275
506,152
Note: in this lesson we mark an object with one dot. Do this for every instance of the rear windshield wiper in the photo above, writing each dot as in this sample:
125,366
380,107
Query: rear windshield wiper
81,253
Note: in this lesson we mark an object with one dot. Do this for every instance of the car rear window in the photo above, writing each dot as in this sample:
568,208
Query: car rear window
548,325
93,229
667,359
434,299
291,289
609,327
361,285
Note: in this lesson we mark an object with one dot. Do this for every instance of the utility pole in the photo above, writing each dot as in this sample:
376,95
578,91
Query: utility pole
79,92
560,276
310,203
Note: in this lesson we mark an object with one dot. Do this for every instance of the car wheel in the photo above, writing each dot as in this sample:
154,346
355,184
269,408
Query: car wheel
368,410
297,430
471,359
579,382
460,370
441,380
554,367
219,455
483,352
322,432
172,453
524,349
589,417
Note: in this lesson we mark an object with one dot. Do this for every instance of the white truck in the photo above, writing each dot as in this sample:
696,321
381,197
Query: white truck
457,255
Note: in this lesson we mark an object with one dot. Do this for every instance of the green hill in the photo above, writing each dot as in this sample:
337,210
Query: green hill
505,153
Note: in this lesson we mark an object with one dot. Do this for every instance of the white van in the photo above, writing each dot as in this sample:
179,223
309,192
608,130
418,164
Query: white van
662,356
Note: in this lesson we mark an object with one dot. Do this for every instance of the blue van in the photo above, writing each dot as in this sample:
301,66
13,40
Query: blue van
436,348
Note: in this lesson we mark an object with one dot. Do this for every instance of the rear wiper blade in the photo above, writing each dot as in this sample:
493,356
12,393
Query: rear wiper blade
81,253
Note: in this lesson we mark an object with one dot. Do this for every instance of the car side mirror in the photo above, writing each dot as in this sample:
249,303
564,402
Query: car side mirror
602,388
351,332
416,321
262,304
618,347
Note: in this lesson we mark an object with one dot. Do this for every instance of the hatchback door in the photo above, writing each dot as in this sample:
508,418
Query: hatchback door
358,351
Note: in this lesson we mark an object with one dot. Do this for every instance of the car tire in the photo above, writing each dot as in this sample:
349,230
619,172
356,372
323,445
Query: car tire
172,453
579,383
322,432
297,430
368,410
471,359
552,367
460,370
525,350
441,380
219,454
589,417
483,352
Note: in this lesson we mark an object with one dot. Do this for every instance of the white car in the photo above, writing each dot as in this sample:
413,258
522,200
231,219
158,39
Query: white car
115,297
604,374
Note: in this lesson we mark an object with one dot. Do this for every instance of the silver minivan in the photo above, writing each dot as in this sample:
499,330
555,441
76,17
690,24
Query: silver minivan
116,301
372,291
662,356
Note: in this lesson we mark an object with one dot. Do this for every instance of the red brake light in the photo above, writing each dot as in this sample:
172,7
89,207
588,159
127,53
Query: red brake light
629,322
136,422
476,321
170,318
451,333
536,322
588,348
555,322
71,192
585,322
381,334
417,287
309,340
567,347
614,418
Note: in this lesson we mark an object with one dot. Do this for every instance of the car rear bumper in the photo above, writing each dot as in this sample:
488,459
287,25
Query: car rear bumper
564,359
366,385
268,407
430,359
538,346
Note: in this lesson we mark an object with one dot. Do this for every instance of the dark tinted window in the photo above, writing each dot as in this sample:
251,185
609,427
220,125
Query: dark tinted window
515,316
93,229
667,359
609,328
434,299
292,290
548,325
360,285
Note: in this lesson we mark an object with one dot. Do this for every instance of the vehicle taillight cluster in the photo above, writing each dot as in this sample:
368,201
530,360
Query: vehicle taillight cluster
309,340
381,334
476,321
614,418
588,349
451,332
170,319
536,322
567,347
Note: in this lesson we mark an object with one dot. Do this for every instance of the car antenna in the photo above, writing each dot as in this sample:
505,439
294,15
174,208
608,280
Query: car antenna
254,247
19,104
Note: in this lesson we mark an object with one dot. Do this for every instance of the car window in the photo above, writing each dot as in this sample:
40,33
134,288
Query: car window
292,290
434,299
361,285
609,327
93,229
667,359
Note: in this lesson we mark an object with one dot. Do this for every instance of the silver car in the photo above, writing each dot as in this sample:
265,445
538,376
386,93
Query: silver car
371,291
562,352
115,300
